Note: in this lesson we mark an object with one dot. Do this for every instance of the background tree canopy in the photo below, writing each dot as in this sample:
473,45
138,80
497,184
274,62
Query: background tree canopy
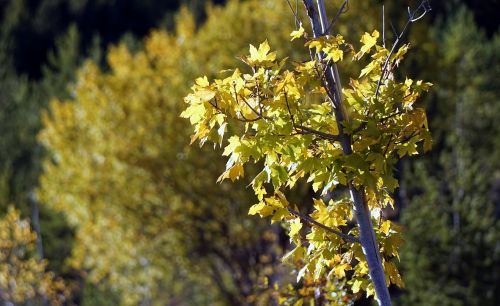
93,151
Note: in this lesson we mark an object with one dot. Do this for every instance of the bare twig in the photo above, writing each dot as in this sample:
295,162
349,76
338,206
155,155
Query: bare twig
383,26
413,134
412,17
311,221
319,133
259,114
242,119
343,8
394,30
298,22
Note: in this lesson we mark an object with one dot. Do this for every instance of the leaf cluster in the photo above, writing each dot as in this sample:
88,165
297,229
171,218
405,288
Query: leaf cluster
279,115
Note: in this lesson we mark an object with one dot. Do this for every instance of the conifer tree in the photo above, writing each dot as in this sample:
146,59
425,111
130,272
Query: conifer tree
451,250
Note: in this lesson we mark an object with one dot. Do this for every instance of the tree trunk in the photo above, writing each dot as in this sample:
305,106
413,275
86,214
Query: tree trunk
35,223
367,238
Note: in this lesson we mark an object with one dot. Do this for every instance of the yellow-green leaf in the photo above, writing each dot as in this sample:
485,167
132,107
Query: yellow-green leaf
297,33
295,226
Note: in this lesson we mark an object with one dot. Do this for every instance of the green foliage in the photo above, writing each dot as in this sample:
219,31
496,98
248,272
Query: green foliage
20,156
92,295
282,119
62,64
453,225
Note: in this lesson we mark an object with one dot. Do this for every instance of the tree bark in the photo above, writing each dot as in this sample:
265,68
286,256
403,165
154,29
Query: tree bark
367,238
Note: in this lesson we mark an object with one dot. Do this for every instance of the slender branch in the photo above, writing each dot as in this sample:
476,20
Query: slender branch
259,115
383,26
319,133
308,130
242,119
359,128
289,111
322,226
424,5
261,107
388,144
364,124
298,22
245,119
394,30
336,17
216,106
407,138
383,119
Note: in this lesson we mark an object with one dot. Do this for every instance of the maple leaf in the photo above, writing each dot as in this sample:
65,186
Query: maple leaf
297,33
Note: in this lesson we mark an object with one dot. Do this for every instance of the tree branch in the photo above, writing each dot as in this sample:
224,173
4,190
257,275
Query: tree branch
424,5
336,17
322,226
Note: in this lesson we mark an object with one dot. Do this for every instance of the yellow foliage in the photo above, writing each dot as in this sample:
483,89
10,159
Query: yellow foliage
23,277
144,204
123,173
275,124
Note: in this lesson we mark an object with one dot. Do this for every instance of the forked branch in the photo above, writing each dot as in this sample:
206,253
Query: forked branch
413,16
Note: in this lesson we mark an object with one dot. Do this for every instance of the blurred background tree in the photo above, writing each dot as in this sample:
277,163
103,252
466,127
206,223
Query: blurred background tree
452,219
122,170
23,279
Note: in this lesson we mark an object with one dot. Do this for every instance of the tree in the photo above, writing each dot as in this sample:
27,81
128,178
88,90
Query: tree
22,276
294,136
452,218
20,158
121,132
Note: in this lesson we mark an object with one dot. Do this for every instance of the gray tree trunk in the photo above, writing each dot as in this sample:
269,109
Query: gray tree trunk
367,238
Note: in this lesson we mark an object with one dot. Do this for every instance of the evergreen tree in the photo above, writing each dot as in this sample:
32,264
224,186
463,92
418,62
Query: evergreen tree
451,256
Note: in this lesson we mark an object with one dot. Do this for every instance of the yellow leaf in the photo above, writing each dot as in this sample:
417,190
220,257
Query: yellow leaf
195,113
370,290
298,33
202,81
296,254
261,55
256,208
205,94
392,274
233,173
254,53
317,43
339,270
369,68
279,215
334,53
356,285
368,42
262,209
236,172
295,226
385,227
299,302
